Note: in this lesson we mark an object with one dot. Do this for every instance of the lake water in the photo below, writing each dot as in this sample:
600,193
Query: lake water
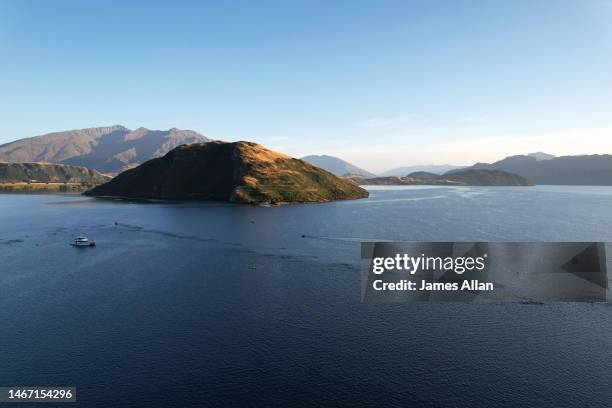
226,305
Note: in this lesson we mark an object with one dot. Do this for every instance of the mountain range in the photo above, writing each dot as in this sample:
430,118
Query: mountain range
342,168
563,170
110,149
113,149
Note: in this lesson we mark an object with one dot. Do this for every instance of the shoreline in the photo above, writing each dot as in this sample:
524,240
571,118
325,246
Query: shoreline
43,188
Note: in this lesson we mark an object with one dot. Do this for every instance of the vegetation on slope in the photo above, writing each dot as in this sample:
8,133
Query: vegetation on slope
240,172
47,177
49,173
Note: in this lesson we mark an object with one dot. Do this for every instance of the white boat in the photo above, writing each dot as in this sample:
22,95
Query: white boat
82,242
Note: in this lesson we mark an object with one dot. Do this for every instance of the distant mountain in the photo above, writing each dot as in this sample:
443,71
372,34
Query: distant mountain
109,149
337,166
429,168
563,170
457,178
240,172
49,173
541,156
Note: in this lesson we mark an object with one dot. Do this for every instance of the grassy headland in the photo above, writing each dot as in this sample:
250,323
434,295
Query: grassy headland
241,172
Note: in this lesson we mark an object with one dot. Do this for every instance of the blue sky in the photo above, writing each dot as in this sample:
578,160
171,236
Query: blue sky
380,83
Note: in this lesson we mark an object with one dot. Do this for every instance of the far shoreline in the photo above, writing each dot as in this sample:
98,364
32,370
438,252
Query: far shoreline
43,188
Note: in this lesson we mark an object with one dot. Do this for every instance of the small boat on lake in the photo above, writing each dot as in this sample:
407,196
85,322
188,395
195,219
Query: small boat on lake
83,242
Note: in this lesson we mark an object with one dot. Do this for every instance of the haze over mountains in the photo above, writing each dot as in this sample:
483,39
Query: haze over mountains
337,166
342,168
428,168
110,149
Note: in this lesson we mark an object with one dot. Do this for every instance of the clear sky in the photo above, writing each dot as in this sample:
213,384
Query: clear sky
379,83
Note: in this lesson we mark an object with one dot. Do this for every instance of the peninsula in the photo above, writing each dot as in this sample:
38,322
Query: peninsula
469,177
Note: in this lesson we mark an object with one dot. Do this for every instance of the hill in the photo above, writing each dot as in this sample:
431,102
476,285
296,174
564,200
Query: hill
109,149
337,166
241,172
458,178
47,177
473,177
428,168
563,170
49,173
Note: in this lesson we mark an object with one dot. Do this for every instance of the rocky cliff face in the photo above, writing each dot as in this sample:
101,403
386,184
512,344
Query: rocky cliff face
241,172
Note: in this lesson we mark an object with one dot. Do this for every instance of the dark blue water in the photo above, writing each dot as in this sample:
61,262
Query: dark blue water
224,305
